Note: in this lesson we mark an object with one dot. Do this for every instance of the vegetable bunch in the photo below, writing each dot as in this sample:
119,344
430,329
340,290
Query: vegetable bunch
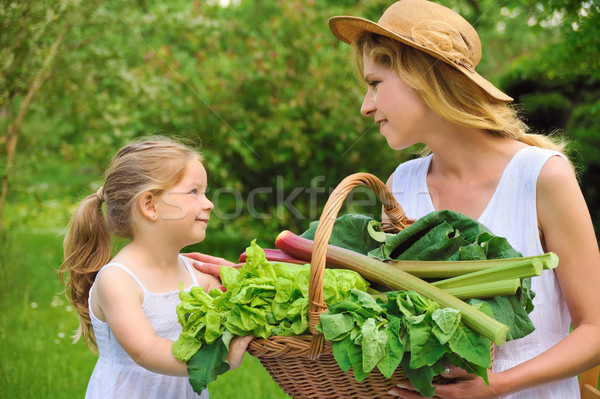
262,299
407,330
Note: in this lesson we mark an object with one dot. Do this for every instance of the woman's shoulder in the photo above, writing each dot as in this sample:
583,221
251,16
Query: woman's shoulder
412,165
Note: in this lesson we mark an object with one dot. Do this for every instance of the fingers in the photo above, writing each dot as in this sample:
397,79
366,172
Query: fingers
405,390
237,349
456,372
208,259
208,268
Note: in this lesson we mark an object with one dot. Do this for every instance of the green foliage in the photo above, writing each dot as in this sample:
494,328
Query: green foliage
272,101
407,329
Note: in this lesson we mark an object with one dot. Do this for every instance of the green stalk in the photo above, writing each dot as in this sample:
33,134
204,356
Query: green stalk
520,268
502,287
390,276
486,290
447,269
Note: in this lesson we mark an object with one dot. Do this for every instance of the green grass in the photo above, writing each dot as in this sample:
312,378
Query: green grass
38,358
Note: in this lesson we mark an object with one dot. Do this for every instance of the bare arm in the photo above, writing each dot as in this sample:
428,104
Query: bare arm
117,299
567,230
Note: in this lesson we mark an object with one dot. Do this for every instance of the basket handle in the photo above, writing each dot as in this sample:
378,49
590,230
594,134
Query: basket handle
317,269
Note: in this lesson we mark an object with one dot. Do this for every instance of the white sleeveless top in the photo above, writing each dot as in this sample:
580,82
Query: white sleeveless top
116,375
512,214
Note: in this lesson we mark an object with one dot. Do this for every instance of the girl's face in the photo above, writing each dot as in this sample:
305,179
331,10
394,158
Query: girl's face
185,207
399,111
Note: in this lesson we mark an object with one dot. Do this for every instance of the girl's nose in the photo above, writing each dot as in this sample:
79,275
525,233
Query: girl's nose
368,106
208,205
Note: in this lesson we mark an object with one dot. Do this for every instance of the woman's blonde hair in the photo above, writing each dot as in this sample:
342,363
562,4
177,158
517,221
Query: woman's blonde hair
447,91
152,164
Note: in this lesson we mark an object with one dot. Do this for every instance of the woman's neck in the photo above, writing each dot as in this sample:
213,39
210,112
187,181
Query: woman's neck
463,153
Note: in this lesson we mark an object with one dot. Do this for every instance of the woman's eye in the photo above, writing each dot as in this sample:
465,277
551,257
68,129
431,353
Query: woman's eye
194,192
373,84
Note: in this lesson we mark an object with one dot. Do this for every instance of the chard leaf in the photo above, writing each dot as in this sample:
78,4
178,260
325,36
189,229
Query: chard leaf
356,359
509,310
341,352
394,350
336,326
350,231
425,348
471,346
422,378
374,343
446,322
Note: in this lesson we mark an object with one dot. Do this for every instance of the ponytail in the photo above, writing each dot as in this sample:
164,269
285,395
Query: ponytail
87,247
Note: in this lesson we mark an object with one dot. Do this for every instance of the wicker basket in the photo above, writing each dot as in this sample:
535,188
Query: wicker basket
304,366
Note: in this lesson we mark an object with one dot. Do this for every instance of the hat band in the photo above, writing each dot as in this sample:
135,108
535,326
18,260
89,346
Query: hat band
446,41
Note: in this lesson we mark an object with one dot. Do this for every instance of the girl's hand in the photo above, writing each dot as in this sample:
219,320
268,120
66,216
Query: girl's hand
237,349
208,264
463,385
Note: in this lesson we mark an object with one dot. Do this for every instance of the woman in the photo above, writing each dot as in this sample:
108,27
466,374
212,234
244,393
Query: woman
418,62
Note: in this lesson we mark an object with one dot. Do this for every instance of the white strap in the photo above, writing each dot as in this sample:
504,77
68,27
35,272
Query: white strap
133,276
189,268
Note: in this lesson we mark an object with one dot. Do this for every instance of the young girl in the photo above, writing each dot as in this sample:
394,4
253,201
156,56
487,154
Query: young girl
419,63
154,194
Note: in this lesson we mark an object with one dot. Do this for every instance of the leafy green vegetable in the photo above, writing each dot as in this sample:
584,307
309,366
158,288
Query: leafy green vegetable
357,232
262,299
440,236
444,235
408,329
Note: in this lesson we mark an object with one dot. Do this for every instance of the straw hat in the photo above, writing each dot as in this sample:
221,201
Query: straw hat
429,27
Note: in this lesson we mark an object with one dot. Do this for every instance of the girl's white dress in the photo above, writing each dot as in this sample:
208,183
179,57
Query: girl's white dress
116,375
512,214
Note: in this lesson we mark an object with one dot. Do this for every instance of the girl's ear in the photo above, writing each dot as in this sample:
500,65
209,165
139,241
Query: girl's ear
147,205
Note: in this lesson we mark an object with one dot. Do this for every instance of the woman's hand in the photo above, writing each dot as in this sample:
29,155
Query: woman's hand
463,385
237,349
207,263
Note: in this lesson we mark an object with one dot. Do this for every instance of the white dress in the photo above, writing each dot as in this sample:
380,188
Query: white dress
512,214
116,375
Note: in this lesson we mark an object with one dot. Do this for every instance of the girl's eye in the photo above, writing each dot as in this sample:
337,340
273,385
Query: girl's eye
373,84
194,191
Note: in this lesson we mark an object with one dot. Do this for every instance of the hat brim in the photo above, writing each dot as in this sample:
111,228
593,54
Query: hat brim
348,28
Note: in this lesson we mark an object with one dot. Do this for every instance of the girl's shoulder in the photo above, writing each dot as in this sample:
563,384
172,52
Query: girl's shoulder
206,281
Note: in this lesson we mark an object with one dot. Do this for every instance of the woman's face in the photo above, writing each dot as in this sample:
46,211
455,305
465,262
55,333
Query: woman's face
401,114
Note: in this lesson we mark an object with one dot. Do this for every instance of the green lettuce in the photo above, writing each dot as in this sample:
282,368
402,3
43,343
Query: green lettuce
262,299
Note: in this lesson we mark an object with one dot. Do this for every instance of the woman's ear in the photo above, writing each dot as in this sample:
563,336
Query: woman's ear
147,205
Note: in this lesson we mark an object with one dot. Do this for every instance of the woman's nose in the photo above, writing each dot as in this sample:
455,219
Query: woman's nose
368,106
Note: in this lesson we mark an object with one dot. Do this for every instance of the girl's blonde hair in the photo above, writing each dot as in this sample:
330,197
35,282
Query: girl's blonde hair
154,164
447,91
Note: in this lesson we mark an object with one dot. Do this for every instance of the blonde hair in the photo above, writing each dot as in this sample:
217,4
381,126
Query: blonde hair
447,91
154,164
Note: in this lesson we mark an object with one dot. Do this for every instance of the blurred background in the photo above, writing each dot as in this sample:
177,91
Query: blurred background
269,96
